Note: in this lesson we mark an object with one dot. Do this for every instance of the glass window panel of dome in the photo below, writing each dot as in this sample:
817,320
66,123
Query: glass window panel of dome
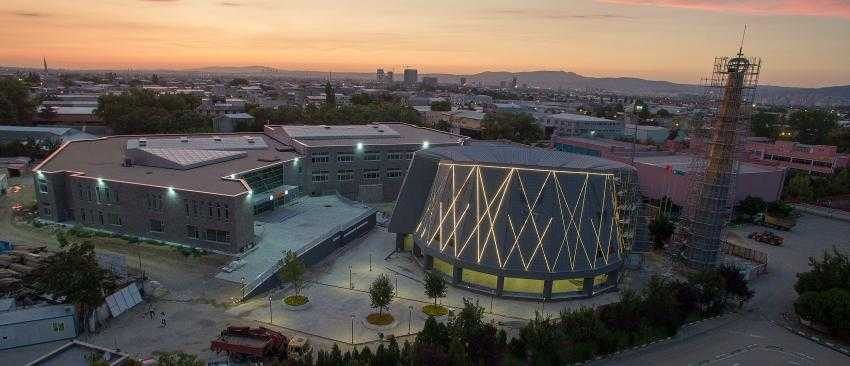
568,285
523,285
479,278
444,267
600,280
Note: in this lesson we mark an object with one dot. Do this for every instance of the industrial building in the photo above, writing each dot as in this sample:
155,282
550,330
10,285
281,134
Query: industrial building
663,173
204,190
568,124
812,159
517,221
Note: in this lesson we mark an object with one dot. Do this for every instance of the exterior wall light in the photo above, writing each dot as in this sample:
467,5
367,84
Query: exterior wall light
425,144
359,146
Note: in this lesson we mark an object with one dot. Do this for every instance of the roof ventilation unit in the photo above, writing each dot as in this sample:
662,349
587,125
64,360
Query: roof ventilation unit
217,138
184,139
143,142
250,139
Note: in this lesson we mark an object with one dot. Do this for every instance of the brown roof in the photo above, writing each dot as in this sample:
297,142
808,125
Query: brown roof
103,158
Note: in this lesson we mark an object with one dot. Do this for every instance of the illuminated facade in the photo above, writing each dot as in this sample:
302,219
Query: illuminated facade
517,221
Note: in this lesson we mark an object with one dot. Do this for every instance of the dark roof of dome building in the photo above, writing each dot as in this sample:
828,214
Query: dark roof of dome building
517,155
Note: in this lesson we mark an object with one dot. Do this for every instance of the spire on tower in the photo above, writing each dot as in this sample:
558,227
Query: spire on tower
744,35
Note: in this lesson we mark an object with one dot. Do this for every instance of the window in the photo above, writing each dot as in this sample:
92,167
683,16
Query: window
320,158
106,195
82,191
344,158
186,206
226,213
320,176
372,156
395,173
156,226
395,155
219,236
100,218
195,207
218,210
210,208
192,232
371,174
82,215
42,184
154,202
344,175
116,220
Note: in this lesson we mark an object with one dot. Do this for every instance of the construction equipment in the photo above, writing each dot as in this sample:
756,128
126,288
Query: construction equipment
256,344
766,237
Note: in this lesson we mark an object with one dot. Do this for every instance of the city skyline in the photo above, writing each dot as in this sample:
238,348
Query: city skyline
803,43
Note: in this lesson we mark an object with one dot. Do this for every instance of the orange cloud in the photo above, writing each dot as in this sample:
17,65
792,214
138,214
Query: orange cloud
819,8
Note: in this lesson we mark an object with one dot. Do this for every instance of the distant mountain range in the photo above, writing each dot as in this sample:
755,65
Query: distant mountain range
834,95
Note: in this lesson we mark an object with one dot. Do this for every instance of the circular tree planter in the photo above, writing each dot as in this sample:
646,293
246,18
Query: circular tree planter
296,302
435,311
380,322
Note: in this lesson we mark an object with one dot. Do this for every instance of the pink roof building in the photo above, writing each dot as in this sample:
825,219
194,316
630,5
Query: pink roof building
819,159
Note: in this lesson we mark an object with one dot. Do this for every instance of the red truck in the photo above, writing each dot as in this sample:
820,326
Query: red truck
250,343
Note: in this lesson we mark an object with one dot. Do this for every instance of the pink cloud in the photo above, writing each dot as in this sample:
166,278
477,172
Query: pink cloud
819,8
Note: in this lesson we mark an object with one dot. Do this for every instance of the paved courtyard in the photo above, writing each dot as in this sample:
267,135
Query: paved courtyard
335,294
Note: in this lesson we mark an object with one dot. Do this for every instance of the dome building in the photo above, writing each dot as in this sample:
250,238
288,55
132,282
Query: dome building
517,221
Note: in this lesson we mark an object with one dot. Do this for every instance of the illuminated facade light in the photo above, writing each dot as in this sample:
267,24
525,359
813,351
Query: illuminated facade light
359,146
425,144
271,197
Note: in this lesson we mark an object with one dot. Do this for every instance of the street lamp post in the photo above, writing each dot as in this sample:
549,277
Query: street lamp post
409,318
352,329
242,281
370,262
350,282
271,316
396,285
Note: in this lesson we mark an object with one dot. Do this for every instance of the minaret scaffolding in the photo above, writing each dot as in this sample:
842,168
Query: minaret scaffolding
711,193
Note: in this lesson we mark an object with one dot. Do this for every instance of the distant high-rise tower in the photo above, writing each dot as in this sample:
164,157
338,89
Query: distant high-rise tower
711,193
389,77
44,60
411,76
379,75
514,83
462,81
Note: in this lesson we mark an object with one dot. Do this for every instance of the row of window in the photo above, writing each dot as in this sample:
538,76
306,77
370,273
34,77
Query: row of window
218,236
322,176
798,160
99,217
217,210
367,156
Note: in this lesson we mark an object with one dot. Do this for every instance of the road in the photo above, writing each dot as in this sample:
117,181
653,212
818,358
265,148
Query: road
756,336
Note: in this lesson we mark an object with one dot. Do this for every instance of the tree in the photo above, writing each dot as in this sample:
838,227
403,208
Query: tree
292,270
177,358
443,125
381,293
517,127
764,125
799,187
75,275
662,113
831,271
813,125
735,284
661,229
141,111
16,105
840,137
330,95
751,206
435,285
238,82
441,106
360,99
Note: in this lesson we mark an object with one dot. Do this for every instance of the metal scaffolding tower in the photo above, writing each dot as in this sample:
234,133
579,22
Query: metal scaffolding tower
711,193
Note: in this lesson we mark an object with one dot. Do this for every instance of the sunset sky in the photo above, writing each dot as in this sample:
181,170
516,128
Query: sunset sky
803,43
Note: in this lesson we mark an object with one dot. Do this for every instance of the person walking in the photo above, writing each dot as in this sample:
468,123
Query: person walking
162,319
151,312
